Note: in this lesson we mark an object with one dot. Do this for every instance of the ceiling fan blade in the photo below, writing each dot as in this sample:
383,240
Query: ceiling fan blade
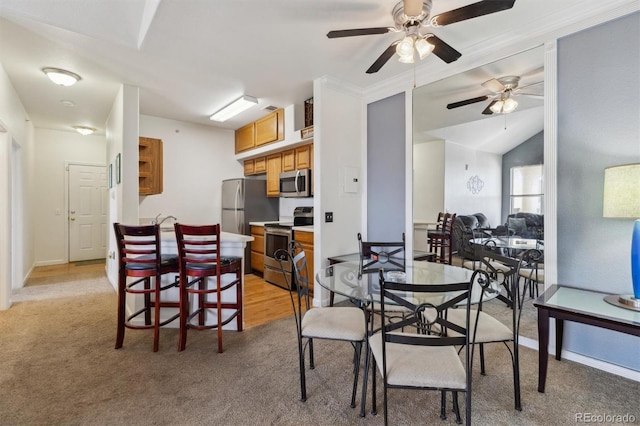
442,50
529,85
357,32
467,102
382,59
473,10
494,85
487,110
530,95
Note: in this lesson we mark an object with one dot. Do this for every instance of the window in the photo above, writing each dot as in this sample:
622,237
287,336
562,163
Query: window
527,185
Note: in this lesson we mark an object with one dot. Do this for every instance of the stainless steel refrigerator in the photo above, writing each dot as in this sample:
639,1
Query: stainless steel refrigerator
243,201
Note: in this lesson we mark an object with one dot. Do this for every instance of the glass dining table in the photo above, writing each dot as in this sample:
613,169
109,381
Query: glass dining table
346,280
512,244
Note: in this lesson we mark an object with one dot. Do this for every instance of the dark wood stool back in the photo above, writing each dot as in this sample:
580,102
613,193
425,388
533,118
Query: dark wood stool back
139,256
441,239
201,270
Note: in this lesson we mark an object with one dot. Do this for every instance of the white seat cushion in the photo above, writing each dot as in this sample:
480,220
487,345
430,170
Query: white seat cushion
334,323
476,264
420,366
489,328
535,275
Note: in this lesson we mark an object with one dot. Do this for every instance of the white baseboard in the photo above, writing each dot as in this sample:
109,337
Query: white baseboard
50,262
590,362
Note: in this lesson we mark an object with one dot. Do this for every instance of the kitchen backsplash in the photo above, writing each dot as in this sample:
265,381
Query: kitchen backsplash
288,204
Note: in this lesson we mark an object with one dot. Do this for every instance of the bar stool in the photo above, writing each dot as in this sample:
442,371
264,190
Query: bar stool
441,239
139,257
201,270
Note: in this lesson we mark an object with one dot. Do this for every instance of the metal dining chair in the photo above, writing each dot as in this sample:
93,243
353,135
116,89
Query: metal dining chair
427,356
490,330
330,323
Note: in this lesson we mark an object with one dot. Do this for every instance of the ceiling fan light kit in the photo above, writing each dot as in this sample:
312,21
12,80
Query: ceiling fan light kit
504,89
424,48
504,106
61,77
411,17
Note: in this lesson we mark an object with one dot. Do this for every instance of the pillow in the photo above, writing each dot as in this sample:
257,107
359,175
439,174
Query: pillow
517,224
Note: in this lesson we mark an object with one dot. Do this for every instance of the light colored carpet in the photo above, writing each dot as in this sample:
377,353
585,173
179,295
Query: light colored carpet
58,290
59,367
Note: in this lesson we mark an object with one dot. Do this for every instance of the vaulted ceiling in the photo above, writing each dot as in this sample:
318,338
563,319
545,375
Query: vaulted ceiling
191,57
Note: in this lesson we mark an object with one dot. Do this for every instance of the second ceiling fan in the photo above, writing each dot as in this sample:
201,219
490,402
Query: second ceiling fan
504,90
412,18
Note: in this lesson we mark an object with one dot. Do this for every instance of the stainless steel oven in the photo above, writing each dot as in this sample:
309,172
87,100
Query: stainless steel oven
276,236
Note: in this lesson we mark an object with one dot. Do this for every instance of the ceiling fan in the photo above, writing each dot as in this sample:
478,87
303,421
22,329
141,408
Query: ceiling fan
412,18
504,90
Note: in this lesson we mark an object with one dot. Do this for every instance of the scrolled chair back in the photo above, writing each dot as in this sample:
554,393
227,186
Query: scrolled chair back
374,255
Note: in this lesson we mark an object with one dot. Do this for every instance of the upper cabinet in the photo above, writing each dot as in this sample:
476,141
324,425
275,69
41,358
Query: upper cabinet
245,138
304,157
149,166
270,128
263,131
274,167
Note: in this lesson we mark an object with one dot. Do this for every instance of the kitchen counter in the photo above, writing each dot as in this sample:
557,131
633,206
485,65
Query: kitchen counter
263,223
307,228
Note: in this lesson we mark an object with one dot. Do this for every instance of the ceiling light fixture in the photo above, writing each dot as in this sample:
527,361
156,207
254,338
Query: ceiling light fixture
84,130
234,108
410,45
61,77
424,48
504,105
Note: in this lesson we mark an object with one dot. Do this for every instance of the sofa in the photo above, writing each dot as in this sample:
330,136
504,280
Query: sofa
525,225
470,226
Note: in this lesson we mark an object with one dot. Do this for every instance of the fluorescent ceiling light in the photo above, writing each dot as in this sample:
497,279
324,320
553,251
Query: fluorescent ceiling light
234,108
61,77
83,130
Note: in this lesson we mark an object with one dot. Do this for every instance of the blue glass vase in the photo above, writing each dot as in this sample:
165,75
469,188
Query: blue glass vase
635,259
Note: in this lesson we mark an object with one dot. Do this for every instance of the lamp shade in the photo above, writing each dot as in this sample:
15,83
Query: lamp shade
622,191
622,200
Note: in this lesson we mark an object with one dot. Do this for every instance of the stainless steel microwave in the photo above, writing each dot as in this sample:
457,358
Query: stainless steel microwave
296,183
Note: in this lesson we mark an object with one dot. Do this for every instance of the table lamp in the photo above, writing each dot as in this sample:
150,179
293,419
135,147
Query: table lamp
622,200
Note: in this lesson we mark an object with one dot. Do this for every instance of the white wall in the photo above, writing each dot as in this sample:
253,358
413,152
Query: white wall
338,144
428,180
16,143
196,160
288,204
53,149
463,165
122,137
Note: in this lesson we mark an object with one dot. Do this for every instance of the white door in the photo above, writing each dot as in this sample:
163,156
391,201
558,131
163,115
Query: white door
88,194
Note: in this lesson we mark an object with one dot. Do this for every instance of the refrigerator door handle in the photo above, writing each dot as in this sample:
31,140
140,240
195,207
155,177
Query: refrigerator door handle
236,208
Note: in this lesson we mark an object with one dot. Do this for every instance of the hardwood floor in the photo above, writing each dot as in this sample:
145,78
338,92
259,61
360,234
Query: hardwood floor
263,302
